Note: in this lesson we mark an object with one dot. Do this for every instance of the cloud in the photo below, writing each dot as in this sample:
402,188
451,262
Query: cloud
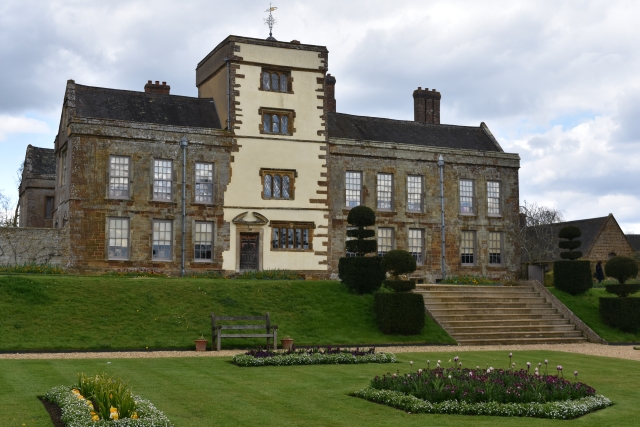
16,124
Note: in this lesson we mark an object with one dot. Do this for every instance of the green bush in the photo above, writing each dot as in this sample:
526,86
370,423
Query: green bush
400,285
621,313
548,279
397,262
361,216
622,290
573,277
362,275
622,268
570,232
400,313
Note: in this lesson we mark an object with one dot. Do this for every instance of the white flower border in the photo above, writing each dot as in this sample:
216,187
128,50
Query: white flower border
76,413
563,410
313,359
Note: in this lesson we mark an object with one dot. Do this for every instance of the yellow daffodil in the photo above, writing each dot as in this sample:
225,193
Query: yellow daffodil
134,416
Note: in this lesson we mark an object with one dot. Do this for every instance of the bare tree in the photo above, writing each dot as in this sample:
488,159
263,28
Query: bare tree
16,213
537,233
6,211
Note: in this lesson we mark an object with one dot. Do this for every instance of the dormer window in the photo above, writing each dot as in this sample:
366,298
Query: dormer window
275,81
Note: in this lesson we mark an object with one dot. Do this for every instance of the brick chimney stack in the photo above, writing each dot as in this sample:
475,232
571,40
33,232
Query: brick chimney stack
330,93
426,106
157,87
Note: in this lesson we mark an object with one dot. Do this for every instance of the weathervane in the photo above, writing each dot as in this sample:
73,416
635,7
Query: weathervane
270,21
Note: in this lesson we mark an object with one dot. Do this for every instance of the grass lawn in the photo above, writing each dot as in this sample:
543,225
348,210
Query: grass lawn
585,306
93,312
204,392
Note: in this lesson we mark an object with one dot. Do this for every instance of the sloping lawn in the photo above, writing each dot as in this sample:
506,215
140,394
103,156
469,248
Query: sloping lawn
586,307
80,312
204,392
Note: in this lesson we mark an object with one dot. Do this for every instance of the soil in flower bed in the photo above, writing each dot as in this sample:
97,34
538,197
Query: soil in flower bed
312,356
53,410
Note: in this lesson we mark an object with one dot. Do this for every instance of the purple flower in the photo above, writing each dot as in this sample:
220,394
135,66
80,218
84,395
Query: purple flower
455,359
575,373
559,367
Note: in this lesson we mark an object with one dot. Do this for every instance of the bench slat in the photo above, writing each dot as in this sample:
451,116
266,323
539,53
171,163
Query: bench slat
246,335
240,318
242,327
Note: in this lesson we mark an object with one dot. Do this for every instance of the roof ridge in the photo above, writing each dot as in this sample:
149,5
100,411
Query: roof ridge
413,122
136,92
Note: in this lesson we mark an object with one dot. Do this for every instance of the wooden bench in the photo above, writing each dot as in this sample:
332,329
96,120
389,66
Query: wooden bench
217,328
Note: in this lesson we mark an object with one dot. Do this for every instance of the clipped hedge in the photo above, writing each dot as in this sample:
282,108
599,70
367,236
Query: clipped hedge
622,290
362,275
622,268
573,277
621,313
399,313
400,285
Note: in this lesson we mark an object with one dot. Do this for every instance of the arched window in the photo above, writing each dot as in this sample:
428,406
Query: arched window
284,124
283,83
285,187
267,186
276,186
266,81
276,124
612,254
266,125
275,79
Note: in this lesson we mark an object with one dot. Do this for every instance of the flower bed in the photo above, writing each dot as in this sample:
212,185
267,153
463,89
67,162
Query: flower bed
501,392
108,402
312,356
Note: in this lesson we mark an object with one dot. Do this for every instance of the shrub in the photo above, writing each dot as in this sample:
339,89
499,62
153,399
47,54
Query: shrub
622,268
621,313
570,232
397,262
573,277
548,279
467,280
400,285
361,216
361,274
399,313
622,290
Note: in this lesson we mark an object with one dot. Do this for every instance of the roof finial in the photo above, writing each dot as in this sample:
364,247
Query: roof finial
270,21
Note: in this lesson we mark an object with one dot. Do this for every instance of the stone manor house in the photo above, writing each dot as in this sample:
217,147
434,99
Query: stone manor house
259,172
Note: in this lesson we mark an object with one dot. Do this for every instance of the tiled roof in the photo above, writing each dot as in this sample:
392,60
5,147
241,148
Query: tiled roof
361,128
145,107
590,228
634,240
40,161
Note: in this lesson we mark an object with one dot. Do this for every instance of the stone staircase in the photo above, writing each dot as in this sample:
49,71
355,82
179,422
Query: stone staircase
492,315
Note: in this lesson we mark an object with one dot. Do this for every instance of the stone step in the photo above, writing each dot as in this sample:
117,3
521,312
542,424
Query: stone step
477,322
494,317
486,299
511,335
463,288
491,311
480,330
522,341
474,305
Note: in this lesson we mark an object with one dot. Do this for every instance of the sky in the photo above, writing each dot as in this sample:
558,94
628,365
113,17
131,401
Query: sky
556,82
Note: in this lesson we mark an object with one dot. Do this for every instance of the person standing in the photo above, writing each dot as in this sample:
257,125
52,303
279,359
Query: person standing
599,273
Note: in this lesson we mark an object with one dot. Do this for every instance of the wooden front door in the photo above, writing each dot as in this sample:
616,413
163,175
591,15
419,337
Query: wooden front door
249,251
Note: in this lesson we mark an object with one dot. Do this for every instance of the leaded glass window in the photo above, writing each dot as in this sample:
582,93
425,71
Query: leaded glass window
276,186
204,182
266,124
284,124
385,191
275,124
291,236
266,81
283,83
467,247
267,186
275,82
203,241
414,193
285,187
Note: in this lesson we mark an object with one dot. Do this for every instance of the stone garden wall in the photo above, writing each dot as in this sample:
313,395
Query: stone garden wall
20,246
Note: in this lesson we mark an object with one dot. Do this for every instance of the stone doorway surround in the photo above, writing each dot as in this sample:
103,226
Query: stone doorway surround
253,223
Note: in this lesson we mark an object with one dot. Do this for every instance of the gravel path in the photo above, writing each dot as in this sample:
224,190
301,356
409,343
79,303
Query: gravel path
620,352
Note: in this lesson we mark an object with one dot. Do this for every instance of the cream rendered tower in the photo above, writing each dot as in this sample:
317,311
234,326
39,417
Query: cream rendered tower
270,94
